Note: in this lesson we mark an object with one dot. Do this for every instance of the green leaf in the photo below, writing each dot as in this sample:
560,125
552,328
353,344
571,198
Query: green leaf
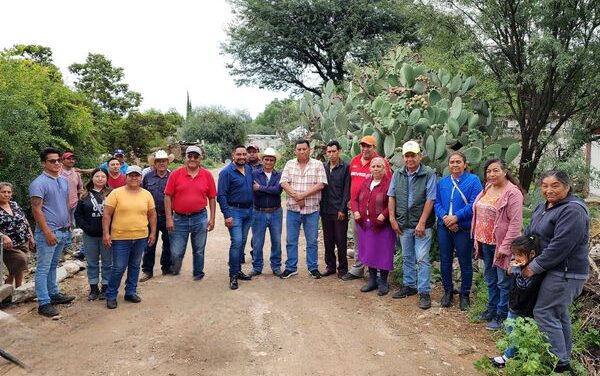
329,88
407,75
422,125
473,121
434,97
419,87
414,116
454,85
393,80
430,146
456,108
473,155
493,151
389,145
445,76
512,152
453,126
440,146
465,87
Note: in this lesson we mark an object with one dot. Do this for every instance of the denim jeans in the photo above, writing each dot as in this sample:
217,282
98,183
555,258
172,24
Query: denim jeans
415,259
461,243
196,227
238,234
150,251
96,251
127,254
497,282
261,221
47,261
511,350
310,222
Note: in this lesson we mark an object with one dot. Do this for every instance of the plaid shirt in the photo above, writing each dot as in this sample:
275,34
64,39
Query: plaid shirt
302,181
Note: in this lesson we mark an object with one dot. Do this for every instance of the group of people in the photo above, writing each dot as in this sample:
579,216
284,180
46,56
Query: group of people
537,272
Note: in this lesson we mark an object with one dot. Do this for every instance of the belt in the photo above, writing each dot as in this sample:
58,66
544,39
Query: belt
239,205
190,214
63,229
267,210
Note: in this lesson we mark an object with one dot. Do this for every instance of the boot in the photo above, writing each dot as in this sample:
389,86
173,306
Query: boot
464,302
372,284
384,288
94,292
102,292
447,298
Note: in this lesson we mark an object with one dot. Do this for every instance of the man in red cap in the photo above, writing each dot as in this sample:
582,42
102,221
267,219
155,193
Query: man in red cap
253,160
75,188
359,171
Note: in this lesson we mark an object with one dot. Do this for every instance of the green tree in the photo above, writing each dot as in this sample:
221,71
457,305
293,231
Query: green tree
279,117
216,125
544,56
292,44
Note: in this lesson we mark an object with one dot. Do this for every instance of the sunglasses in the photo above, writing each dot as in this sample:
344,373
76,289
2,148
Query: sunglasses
193,156
53,161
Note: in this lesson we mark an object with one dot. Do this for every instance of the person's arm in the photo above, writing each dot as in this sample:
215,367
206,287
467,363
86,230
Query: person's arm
314,189
40,220
213,207
515,224
106,218
152,222
80,217
430,200
169,224
345,192
440,211
86,171
273,188
466,213
222,192
392,213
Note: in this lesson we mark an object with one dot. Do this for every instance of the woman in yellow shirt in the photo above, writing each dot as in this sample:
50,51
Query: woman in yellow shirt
130,209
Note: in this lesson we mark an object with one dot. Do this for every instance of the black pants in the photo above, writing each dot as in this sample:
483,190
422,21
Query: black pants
335,234
150,252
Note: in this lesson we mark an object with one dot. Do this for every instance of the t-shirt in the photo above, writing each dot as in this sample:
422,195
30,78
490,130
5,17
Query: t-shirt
117,182
130,218
75,186
190,194
54,192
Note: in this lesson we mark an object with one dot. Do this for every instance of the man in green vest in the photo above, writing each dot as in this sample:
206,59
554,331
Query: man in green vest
412,194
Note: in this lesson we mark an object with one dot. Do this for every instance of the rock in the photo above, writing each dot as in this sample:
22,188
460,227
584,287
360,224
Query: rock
5,316
24,292
350,253
6,291
380,353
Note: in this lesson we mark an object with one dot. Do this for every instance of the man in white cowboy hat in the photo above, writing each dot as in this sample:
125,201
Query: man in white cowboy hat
267,213
155,182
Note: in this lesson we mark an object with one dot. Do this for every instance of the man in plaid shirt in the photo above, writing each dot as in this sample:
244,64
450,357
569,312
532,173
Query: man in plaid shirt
302,179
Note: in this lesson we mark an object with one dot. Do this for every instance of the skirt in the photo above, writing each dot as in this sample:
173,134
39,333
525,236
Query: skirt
16,258
376,247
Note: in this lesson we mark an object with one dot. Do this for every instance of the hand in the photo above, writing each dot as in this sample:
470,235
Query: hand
151,239
341,216
211,224
381,218
50,238
170,224
450,220
229,222
356,216
453,228
255,186
301,203
527,273
396,226
420,230
31,245
299,196
8,244
106,240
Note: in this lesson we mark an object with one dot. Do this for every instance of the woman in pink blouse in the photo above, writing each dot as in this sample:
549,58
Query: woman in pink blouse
497,221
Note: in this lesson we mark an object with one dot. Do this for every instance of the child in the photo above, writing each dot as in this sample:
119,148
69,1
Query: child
523,291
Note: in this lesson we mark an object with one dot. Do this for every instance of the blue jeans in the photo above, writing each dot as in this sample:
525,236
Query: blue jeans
150,252
310,222
415,259
260,222
497,282
95,252
238,234
196,227
511,350
47,261
461,243
126,254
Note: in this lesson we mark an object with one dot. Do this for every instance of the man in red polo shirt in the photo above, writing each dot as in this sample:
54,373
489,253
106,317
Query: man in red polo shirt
189,189
359,171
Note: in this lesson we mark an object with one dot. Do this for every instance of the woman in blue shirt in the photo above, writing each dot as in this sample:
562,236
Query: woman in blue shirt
454,209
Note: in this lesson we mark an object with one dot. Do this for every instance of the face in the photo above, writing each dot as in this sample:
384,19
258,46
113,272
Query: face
302,152
377,168
412,160
239,156
252,155
495,174
553,190
367,151
114,166
99,179
5,194
161,165
192,160
456,165
121,158
268,163
520,258
333,153
68,162
52,163
134,180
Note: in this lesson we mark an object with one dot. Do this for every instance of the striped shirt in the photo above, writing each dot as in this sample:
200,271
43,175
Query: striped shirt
303,180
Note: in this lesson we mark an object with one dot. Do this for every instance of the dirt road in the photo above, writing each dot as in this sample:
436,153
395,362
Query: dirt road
269,326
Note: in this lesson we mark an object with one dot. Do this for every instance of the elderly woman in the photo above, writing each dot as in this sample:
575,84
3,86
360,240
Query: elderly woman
376,239
562,226
497,221
128,213
454,209
16,234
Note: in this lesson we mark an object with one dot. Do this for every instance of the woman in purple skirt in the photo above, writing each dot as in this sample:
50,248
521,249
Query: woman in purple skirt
376,239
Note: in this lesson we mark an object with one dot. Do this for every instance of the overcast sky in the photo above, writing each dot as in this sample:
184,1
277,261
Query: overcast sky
165,47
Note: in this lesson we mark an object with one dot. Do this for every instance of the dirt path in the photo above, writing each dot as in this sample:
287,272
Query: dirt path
269,326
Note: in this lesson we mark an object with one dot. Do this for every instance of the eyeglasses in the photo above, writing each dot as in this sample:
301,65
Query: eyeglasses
53,161
193,156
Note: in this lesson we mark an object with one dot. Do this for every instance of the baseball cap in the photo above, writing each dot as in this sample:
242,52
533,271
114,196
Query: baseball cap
193,149
119,151
269,152
369,140
133,169
161,154
68,154
252,146
411,147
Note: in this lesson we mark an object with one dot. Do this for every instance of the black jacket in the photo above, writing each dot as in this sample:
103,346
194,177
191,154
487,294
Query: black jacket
523,293
88,217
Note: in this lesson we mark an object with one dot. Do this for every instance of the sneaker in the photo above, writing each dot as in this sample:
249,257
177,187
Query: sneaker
424,300
61,298
94,293
498,361
447,298
145,276
287,274
404,292
495,324
233,283
465,302
48,310
277,273
349,277
255,273
486,316
111,304
135,298
315,273
199,277
167,271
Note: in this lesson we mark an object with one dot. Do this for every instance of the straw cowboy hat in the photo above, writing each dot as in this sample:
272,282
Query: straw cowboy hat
269,152
160,154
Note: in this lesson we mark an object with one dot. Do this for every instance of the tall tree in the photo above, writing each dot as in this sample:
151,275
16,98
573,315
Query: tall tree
544,56
290,44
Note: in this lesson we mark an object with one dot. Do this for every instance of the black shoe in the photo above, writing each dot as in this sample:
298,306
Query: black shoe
277,273
135,298
48,310
94,293
167,271
314,273
145,276
254,273
486,316
102,295
328,272
233,283
562,368
404,292
287,274
447,298
61,298
465,302
370,286
243,277
111,304
79,256
349,277
424,300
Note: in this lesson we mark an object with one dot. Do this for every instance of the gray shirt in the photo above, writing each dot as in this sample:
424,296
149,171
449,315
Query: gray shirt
54,192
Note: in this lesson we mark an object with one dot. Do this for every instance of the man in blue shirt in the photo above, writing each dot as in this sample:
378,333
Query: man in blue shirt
49,195
234,194
267,213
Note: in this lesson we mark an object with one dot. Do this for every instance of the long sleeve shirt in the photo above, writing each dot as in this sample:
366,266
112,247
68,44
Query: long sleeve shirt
234,188
336,194
156,185
269,193
449,198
